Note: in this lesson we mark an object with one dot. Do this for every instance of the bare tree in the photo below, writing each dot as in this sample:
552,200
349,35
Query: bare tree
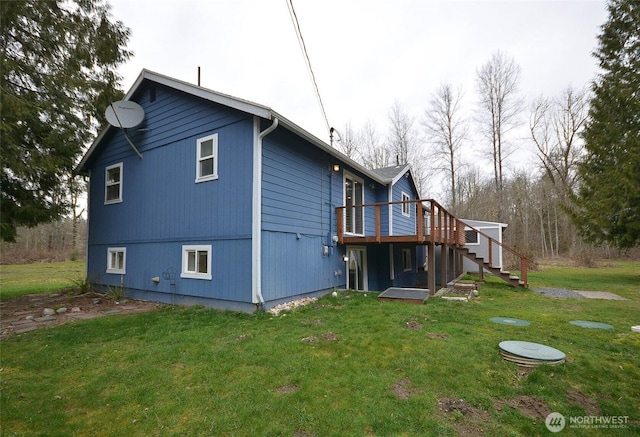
555,127
374,154
446,129
497,83
402,139
348,142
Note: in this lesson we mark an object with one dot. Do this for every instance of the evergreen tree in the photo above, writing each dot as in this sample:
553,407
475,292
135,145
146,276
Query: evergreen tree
606,207
57,75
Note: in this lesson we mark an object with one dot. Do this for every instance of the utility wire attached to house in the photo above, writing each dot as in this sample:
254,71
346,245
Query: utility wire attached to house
303,47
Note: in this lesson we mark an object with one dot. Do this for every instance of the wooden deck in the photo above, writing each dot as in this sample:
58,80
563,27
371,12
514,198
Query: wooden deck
435,226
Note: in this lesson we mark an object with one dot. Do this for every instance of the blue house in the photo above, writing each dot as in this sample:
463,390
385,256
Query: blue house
219,201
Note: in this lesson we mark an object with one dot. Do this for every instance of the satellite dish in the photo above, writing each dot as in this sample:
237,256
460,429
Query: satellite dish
124,114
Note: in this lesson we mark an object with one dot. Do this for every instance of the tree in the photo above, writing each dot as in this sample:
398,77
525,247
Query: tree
57,62
447,130
606,208
374,155
347,141
555,127
497,83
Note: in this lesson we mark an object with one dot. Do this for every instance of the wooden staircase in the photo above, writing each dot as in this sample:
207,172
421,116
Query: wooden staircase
508,277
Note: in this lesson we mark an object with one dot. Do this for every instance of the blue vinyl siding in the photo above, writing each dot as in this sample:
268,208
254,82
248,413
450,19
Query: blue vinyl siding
163,208
401,223
299,194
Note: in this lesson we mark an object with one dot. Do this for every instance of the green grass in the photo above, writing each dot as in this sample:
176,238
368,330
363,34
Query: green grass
20,279
193,371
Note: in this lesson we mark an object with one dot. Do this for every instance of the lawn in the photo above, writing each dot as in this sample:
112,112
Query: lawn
345,365
16,280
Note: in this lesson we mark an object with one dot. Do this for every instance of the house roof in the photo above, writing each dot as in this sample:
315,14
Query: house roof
393,173
380,175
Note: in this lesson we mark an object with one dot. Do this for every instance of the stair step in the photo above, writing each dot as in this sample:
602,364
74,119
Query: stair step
514,277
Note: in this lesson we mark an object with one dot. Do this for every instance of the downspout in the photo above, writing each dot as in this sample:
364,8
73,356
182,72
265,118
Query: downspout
256,227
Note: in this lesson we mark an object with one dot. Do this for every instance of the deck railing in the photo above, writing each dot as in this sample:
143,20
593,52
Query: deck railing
435,225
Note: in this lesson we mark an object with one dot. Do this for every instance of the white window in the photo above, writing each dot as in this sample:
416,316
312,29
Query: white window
406,260
207,158
471,237
113,184
196,262
354,199
117,260
406,207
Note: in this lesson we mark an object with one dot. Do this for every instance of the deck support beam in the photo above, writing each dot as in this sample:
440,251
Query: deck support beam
431,268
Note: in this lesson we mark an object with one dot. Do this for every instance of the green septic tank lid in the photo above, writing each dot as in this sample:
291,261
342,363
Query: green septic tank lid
533,351
594,325
509,321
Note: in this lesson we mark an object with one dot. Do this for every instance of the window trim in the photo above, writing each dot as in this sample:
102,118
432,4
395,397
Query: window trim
185,273
214,155
406,207
471,243
407,262
352,209
107,184
114,269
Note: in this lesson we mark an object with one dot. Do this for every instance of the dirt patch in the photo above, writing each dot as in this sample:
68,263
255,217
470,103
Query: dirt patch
403,389
312,322
528,405
27,313
590,405
437,335
311,339
288,389
467,419
413,325
329,336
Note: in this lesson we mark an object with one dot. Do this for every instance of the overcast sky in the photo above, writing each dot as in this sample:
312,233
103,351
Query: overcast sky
366,54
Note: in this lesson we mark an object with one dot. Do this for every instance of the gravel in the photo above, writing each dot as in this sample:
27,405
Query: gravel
558,292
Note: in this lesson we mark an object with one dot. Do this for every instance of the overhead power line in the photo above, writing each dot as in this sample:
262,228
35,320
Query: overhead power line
303,47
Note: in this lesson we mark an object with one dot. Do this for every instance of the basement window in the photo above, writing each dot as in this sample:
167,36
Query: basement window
196,262
207,158
113,184
117,260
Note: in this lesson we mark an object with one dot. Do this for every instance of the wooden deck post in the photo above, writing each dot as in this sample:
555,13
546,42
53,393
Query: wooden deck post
377,223
419,221
444,258
431,266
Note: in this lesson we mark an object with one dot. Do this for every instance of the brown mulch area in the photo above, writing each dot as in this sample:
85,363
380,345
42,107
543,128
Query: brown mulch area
26,313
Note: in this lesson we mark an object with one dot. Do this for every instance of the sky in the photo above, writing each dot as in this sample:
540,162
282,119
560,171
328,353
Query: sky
367,55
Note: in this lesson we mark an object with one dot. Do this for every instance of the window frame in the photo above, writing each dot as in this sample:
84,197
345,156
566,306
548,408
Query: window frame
407,262
194,274
108,184
116,269
406,207
200,159
467,242
354,217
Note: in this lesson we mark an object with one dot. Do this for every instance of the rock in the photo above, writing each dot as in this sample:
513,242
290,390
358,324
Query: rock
54,295
48,312
61,310
75,309
29,318
97,301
